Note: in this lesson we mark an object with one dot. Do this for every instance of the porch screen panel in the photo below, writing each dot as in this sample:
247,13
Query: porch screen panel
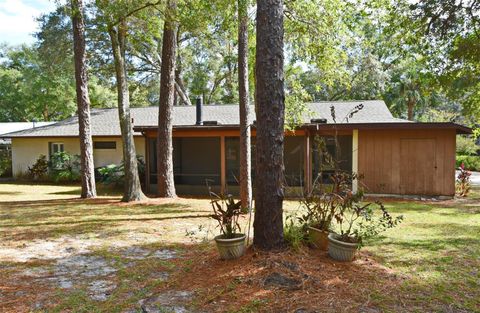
232,160
152,159
196,160
294,160
323,148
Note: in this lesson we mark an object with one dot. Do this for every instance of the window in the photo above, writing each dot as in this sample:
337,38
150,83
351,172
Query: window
105,145
55,147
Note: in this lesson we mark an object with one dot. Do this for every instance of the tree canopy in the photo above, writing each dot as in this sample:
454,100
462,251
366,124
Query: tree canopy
420,58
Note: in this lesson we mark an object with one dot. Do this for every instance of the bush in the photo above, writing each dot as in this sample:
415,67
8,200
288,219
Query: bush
5,166
111,174
295,234
463,184
114,174
64,167
471,163
39,169
466,146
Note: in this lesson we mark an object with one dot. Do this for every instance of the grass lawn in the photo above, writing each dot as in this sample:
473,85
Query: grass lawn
59,253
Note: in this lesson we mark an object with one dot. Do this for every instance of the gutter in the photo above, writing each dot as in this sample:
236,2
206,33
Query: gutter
460,129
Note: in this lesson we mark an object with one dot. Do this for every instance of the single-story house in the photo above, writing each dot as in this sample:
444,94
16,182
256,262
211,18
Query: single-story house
394,156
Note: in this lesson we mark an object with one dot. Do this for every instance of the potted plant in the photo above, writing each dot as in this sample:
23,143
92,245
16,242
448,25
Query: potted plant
357,222
320,210
321,207
226,211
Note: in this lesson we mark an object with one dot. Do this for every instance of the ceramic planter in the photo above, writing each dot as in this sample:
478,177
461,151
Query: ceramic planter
340,250
319,238
231,248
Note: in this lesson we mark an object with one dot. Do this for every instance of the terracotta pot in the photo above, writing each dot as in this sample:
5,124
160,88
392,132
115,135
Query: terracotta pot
230,248
340,250
319,238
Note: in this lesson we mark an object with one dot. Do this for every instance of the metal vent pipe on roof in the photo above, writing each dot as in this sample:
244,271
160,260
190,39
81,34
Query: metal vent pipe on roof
199,111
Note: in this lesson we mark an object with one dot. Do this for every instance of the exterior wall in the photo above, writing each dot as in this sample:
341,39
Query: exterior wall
404,162
392,161
102,157
25,151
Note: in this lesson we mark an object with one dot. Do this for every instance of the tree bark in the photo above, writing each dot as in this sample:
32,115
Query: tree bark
270,108
245,141
87,172
133,190
165,180
410,107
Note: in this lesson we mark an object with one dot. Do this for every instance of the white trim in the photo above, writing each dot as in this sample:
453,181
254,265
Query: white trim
355,159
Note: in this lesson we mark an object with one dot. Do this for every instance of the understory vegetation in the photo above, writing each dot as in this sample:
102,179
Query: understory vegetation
65,167
471,162
468,153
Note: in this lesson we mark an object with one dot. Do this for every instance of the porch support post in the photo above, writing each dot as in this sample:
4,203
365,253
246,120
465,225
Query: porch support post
355,159
223,171
307,164
147,163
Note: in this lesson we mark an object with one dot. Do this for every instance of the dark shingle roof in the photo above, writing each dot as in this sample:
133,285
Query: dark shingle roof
105,121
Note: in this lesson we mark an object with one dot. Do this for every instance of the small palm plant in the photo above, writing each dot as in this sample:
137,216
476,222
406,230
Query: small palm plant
226,211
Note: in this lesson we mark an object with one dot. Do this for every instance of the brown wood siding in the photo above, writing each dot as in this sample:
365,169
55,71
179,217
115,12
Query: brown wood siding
407,161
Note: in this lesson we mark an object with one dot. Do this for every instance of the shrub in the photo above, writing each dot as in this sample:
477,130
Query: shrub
466,146
295,234
64,167
358,221
470,162
111,174
114,174
5,166
39,169
463,181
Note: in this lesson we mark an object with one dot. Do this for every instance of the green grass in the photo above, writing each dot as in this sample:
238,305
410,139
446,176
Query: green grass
435,250
437,247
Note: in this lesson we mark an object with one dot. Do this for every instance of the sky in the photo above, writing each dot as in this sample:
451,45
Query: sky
17,19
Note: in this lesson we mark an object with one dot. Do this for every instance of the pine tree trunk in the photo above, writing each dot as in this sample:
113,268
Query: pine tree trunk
245,161
410,106
165,180
87,172
270,108
133,190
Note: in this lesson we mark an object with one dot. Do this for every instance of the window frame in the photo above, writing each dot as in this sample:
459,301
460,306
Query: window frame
112,147
60,145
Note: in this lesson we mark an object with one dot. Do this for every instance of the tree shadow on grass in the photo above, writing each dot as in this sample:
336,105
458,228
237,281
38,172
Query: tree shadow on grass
73,192
49,202
430,245
9,193
103,221
76,214
440,237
